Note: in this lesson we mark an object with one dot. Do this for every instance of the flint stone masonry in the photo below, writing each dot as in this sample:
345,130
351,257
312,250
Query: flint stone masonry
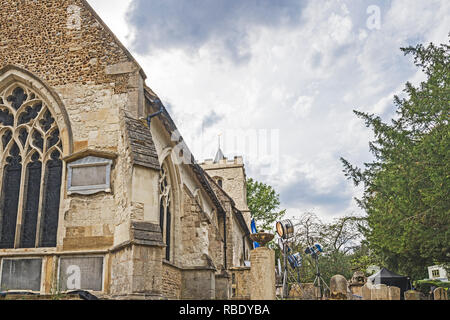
70,55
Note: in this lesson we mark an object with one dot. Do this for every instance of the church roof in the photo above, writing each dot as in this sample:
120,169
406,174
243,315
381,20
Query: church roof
143,151
170,126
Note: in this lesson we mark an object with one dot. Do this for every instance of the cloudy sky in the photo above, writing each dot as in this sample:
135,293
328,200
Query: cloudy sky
278,80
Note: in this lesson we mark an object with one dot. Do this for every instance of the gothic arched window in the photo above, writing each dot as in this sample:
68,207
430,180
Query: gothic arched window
165,204
30,170
219,181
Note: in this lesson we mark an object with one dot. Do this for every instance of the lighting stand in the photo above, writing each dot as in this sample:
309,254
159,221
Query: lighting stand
288,276
319,280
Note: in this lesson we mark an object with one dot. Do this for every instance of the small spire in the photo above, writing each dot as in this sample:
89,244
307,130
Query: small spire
219,154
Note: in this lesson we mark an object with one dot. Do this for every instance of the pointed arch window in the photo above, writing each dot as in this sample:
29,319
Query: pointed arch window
30,170
165,208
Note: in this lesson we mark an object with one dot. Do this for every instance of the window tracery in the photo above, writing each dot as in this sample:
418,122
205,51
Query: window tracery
30,170
165,212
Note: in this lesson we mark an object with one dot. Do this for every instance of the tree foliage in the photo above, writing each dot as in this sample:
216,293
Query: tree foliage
264,204
340,239
406,187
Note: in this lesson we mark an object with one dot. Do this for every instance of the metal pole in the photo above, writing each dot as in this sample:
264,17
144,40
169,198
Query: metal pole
319,278
285,284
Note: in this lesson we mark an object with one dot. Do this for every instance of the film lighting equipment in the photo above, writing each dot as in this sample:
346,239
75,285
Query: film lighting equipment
295,260
285,229
315,251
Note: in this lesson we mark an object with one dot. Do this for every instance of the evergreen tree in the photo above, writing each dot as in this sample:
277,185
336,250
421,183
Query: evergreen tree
406,187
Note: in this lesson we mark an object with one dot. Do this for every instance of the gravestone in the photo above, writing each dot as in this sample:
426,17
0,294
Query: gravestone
394,293
366,292
440,294
305,291
357,282
338,288
412,295
380,292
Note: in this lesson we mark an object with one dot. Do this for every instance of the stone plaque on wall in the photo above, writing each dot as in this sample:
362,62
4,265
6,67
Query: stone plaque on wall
81,273
89,175
21,274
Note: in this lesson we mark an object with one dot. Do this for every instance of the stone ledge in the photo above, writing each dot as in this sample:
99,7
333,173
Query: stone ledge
90,152
136,243
121,68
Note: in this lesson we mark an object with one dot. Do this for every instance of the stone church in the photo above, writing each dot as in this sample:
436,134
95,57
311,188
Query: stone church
98,190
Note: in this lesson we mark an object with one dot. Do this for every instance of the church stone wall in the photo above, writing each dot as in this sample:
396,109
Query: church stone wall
201,240
171,281
98,83
136,270
48,39
95,78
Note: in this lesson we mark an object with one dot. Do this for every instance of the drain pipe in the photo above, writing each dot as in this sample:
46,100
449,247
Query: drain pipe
225,241
151,116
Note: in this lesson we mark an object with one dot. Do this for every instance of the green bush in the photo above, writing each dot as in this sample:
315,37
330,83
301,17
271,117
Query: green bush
424,286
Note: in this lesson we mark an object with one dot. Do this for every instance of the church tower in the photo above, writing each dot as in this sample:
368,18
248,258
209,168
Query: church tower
230,176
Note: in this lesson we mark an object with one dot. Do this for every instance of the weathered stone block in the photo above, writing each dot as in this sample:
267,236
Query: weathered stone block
198,284
121,68
412,295
262,271
338,287
440,294
366,292
380,292
394,293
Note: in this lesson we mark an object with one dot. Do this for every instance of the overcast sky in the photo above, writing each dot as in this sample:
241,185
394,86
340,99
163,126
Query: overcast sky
287,72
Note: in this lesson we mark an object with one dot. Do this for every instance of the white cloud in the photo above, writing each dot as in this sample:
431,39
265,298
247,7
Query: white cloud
304,79
303,106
